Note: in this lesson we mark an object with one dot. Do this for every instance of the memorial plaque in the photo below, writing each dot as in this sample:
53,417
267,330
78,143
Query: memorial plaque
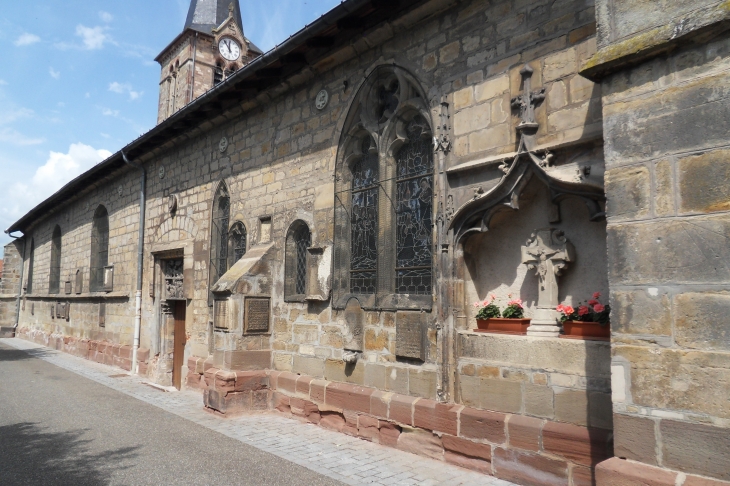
220,314
410,335
256,315
354,320
67,287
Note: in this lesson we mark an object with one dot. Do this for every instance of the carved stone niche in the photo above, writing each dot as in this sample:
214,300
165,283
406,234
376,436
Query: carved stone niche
79,281
319,273
353,322
67,287
410,335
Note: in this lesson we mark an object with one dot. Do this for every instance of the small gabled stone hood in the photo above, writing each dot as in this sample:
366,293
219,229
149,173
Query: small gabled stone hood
249,275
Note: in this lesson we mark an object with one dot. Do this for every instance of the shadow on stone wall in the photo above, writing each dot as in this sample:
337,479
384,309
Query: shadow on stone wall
33,455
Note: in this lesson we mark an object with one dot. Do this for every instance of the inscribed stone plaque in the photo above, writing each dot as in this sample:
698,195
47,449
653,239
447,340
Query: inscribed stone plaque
354,318
220,314
410,332
256,315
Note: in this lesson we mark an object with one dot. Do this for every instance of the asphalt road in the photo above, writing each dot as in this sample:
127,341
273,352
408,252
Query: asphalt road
57,428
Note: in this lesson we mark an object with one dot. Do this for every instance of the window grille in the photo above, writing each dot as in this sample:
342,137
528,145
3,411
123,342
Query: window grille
99,249
414,210
54,282
298,241
237,246
219,234
364,221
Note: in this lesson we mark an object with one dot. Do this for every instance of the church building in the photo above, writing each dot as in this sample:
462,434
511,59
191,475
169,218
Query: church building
491,232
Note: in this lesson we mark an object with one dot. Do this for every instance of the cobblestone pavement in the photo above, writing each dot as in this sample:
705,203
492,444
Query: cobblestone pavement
337,456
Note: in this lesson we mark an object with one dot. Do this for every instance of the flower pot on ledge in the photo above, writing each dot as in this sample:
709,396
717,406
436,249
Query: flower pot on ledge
586,330
501,325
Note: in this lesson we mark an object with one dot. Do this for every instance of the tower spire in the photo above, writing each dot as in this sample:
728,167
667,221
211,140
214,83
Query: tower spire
206,15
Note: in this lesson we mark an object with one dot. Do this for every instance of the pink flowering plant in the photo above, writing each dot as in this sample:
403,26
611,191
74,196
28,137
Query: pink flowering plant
489,310
514,309
591,311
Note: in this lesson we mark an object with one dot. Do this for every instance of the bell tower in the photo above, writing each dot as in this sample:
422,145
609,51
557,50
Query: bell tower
211,47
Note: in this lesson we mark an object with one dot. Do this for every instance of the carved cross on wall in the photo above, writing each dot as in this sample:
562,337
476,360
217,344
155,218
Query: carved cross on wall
548,252
527,100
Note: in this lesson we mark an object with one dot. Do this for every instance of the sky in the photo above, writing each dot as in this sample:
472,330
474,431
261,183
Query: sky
78,82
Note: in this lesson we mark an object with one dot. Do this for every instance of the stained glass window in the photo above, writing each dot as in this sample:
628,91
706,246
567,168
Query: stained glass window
364,221
414,212
99,249
219,234
238,237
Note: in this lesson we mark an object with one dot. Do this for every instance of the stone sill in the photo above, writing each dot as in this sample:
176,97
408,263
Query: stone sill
84,296
8,296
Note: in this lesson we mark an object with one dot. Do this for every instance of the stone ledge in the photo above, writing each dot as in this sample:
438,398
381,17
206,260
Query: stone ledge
86,296
641,47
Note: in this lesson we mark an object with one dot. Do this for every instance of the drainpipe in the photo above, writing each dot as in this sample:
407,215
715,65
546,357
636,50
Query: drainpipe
140,261
22,273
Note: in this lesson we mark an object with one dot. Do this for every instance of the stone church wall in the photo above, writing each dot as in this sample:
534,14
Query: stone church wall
10,283
666,124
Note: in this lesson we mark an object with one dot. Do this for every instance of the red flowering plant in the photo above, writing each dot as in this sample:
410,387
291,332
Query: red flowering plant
591,311
487,309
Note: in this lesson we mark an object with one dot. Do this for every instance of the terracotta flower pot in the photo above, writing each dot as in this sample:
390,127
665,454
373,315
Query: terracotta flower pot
500,325
577,329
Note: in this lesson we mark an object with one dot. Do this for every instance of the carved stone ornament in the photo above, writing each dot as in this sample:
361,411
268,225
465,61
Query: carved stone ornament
223,144
476,214
548,252
161,172
120,190
442,143
322,99
172,204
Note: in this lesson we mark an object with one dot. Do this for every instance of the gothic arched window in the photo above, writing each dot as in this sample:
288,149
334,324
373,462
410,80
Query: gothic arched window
384,229
31,260
298,240
236,243
54,280
219,233
99,249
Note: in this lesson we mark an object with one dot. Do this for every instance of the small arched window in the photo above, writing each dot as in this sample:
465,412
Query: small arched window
99,249
219,233
298,240
54,280
236,243
31,259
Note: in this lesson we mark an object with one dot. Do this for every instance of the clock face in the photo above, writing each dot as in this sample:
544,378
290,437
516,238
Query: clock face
322,98
229,49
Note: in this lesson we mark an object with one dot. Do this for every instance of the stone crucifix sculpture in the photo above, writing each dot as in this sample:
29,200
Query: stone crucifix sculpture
548,252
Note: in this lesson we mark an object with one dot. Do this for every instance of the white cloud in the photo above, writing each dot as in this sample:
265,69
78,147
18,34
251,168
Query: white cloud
13,137
27,39
125,88
54,74
93,37
58,170
106,16
110,112
10,114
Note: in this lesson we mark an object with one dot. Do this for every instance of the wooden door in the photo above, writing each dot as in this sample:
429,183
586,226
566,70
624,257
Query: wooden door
178,353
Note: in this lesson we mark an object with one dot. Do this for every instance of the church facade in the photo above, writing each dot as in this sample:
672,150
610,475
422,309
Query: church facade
314,230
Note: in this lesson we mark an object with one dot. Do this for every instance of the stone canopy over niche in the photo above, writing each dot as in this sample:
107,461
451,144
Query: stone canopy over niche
494,262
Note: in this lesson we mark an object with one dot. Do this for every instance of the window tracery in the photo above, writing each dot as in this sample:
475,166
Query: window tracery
298,241
384,196
219,234
237,242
